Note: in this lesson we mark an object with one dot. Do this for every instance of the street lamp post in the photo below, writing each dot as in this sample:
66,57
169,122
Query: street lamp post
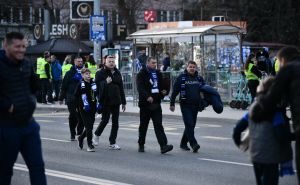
97,44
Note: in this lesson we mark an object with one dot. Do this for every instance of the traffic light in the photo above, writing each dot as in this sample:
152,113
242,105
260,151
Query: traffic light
81,9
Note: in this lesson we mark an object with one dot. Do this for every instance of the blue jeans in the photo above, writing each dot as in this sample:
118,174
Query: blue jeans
24,139
189,115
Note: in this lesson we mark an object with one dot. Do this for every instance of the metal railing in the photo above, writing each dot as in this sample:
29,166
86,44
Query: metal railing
225,82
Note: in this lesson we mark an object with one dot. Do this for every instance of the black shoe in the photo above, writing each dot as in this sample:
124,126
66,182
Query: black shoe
72,138
166,149
185,147
80,143
141,148
196,148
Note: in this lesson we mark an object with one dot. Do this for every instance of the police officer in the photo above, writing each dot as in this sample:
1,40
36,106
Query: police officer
66,65
46,79
68,87
91,65
252,75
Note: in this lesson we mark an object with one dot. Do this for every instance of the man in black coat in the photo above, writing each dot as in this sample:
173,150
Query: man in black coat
149,82
111,96
68,87
19,132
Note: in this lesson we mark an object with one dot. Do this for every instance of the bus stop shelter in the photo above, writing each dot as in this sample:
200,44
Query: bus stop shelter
217,49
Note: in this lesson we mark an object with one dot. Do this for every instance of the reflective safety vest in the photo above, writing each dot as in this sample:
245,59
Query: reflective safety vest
92,68
65,69
276,65
40,61
249,74
43,70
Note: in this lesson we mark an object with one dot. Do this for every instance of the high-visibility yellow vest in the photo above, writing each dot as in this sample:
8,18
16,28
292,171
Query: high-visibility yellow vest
249,74
43,70
39,63
65,69
92,68
277,65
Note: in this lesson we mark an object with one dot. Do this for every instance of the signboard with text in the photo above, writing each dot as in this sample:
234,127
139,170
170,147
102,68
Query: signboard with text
97,28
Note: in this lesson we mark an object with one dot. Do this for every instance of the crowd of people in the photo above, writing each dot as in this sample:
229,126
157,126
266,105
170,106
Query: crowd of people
88,89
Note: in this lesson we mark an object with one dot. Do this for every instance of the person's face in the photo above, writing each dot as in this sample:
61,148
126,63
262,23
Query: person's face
78,62
52,58
110,62
191,69
15,49
86,76
282,62
152,64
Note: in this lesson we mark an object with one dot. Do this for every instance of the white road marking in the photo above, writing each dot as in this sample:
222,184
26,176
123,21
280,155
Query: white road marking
210,125
59,140
173,133
46,121
72,176
216,138
225,162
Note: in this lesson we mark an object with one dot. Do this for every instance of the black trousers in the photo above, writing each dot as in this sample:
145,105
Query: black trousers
75,120
266,174
297,148
189,115
46,90
252,85
88,119
114,110
147,113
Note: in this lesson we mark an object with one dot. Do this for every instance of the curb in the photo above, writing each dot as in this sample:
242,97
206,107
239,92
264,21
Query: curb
168,116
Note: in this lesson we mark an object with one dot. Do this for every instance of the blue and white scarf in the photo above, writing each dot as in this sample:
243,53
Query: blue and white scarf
83,91
77,75
153,81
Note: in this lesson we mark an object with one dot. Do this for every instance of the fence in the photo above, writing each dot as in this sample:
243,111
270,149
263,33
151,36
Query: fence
225,82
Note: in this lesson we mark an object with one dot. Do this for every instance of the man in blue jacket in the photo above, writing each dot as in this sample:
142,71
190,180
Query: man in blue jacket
188,85
56,72
19,132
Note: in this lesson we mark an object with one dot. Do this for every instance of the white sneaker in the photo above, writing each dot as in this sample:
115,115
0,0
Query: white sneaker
90,149
96,140
114,147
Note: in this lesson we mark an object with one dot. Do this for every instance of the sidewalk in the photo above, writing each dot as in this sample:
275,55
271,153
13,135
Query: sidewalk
228,113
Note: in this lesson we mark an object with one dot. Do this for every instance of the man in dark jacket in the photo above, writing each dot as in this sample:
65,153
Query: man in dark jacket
111,96
149,82
68,87
188,85
287,84
19,131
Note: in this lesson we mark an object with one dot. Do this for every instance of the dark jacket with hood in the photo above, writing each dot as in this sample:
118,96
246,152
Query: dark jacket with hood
18,86
113,93
69,85
192,89
287,83
144,87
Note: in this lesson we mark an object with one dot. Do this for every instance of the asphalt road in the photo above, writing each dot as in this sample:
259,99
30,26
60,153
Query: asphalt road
218,162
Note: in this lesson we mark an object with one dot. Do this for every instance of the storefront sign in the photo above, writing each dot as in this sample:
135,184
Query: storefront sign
56,30
120,30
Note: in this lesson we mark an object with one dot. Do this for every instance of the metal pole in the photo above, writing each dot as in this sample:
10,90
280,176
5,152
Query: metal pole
97,44
47,24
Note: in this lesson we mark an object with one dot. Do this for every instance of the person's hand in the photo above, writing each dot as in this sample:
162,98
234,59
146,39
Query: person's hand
172,108
108,80
150,99
61,102
164,92
123,108
11,108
